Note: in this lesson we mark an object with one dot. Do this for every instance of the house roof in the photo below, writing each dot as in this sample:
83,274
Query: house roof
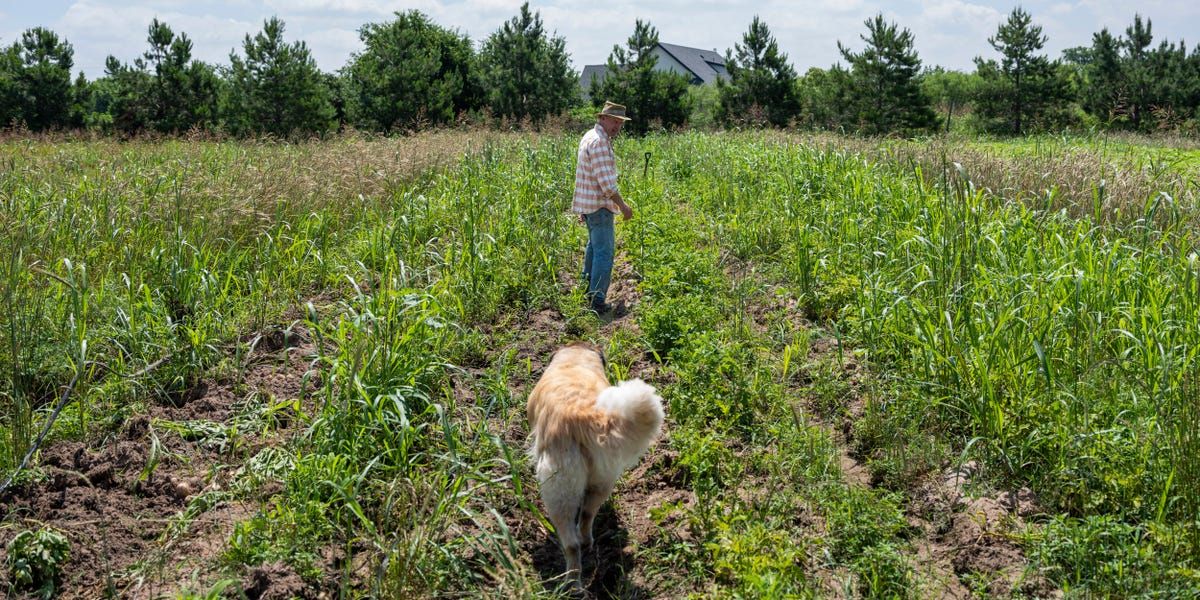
705,64
590,72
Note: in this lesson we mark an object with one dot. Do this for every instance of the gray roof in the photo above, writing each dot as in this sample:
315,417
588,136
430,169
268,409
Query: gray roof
705,64
590,72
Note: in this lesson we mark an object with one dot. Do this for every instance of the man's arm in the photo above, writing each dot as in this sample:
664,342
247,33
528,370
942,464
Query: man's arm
626,211
606,175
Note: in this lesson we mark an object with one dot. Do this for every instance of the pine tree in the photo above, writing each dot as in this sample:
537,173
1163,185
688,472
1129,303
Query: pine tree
277,88
651,97
526,72
760,80
1171,86
412,72
1025,88
183,92
165,90
40,80
1138,77
10,93
1102,92
886,82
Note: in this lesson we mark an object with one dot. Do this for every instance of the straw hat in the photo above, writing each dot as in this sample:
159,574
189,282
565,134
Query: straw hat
614,110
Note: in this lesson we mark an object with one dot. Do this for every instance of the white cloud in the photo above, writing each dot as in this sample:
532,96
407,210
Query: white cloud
359,7
98,29
951,33
950,13
331,48
1062,8
946,32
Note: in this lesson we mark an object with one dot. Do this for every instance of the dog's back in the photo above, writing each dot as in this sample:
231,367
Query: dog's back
585,434
562,407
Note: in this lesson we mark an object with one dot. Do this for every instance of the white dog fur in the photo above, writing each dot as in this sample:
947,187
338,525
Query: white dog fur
585,434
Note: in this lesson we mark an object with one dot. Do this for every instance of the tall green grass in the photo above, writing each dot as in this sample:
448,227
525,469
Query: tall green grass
1059,350
1056,348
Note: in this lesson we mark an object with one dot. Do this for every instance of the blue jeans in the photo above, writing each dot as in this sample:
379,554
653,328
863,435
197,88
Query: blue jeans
598,258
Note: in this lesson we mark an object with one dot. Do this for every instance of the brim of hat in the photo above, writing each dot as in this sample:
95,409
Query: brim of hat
600,114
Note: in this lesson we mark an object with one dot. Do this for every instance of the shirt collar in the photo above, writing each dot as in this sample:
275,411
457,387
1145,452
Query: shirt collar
601,132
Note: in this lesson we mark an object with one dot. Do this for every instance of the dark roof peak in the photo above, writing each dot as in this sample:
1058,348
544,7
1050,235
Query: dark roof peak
706,65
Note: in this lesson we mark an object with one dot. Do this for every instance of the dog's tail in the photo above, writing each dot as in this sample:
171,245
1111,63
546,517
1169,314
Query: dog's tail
636,410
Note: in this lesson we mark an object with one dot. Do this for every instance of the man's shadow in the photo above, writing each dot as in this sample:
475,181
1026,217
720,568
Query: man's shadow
605,568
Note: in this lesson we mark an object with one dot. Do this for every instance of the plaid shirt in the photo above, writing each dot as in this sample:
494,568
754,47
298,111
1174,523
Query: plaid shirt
595,174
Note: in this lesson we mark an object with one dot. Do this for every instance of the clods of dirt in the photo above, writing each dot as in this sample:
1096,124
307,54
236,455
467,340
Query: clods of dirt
974,534
274,581
114,495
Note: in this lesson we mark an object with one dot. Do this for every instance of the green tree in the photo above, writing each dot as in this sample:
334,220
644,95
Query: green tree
1139,80
1104,83
706,106
950,91
886,83
336,84
411,72
165,90
277,88
1025,88
1172,84
183,92
827,98
80,106
123,96
526,72
35,87
10,91
761,82
652,97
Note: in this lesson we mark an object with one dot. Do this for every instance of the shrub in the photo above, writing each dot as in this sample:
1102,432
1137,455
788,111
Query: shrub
35,560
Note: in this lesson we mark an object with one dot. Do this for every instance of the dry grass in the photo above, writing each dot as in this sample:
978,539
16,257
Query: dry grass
1117,185
239,188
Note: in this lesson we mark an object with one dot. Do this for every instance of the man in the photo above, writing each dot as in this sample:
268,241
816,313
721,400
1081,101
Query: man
597,200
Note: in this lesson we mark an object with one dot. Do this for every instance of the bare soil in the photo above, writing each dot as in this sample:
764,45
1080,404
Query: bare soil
116,495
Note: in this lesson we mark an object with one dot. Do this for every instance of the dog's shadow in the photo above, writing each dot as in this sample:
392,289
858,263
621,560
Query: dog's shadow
605,569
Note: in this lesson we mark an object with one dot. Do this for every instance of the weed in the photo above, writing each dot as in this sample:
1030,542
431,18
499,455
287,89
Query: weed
35,560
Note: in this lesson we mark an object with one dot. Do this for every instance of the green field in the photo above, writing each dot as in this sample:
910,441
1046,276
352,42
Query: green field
892,369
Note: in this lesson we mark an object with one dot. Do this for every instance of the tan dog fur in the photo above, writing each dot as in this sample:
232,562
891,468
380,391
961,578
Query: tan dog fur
585,434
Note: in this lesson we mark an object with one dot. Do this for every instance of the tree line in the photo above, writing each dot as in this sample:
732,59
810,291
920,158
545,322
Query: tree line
411,74
414,73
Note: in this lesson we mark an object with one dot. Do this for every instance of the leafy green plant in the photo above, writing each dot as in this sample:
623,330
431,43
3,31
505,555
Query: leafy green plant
35,560
669,323
883,572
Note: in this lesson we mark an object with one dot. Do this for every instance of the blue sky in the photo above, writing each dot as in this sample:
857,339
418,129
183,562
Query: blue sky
947,32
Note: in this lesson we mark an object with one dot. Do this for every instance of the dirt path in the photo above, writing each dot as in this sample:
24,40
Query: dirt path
148,508
960,545
623,524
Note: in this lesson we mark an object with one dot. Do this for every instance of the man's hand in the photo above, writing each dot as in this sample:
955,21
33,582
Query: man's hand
626,212
582,219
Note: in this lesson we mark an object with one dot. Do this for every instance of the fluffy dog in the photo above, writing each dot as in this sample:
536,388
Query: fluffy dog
585,434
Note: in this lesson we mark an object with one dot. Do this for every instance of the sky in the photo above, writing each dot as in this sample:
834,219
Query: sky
950,33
